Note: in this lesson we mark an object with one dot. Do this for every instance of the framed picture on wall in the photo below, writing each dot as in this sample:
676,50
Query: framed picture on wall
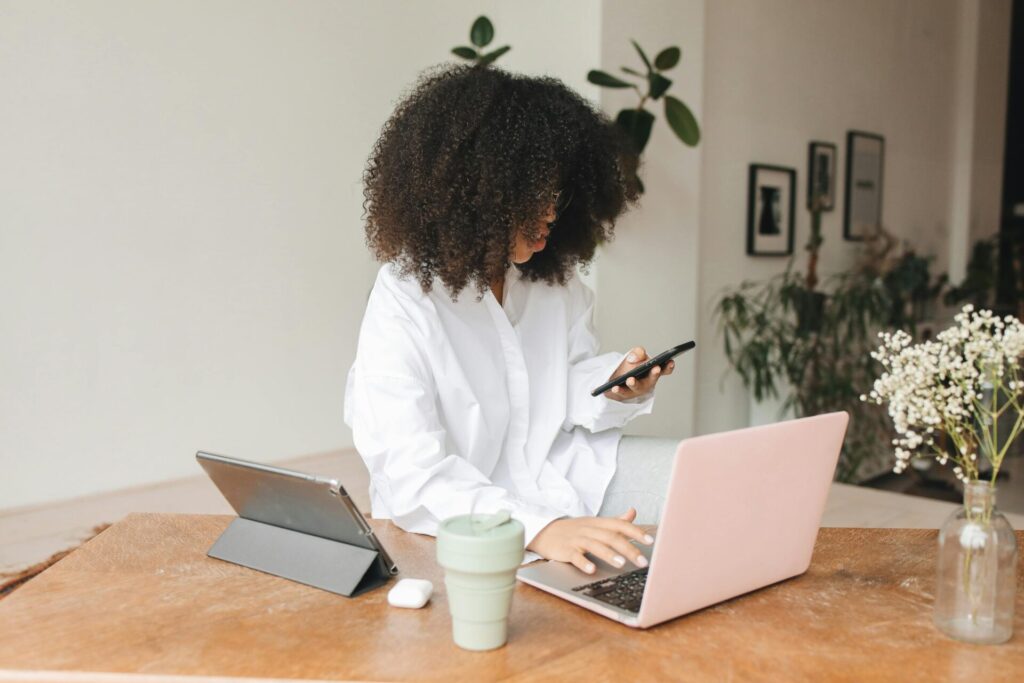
770,204
821,176
865,158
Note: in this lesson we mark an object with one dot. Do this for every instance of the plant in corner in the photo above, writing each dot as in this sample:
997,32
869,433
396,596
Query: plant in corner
809,339
946,397
637,122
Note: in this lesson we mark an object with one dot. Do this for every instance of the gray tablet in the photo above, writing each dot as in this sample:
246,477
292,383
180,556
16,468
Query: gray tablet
331,545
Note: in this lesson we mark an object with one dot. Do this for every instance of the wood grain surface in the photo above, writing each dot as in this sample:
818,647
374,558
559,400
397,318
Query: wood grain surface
142,598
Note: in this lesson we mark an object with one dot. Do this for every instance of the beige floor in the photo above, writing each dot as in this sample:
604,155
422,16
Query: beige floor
30,535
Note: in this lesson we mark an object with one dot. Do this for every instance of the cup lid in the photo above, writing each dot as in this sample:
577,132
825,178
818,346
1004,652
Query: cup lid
484,526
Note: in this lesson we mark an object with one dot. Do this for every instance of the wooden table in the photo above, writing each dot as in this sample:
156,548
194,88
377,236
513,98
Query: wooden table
142,597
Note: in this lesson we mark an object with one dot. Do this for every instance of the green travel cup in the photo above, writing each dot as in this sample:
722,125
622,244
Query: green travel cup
480,555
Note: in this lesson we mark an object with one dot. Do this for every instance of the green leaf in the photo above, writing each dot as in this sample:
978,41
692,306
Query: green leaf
491,56
637,125
647,62
659,84
682,121
606,79
482,31
667,58
465,52
632,71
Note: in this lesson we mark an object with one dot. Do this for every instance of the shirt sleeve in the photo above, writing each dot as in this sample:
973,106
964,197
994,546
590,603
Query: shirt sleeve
391,406
588,370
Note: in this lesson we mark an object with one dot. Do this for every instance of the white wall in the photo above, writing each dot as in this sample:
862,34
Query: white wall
647,277
990,80
782,73
182,263
979,126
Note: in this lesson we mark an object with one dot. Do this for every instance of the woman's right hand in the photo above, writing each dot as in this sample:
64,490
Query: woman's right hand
608,538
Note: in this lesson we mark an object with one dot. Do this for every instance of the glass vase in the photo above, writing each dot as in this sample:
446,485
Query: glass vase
976,578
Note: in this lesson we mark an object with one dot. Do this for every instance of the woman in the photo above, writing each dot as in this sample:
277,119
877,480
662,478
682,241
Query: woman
476,356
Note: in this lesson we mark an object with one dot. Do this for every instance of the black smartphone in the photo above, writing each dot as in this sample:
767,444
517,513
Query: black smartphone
641,371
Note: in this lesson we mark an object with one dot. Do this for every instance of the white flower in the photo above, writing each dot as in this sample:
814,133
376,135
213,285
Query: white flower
972,536
949,384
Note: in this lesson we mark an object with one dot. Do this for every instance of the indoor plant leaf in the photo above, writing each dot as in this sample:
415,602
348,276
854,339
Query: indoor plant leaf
465,52
637,124
482,31
659,84
491,56
667,58
607,80
682,121
647,62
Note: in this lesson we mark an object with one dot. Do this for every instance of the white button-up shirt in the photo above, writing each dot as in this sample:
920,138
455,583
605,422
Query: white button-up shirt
479,405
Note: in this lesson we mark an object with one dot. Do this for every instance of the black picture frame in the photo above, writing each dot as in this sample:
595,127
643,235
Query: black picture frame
865,167
821,174
770,234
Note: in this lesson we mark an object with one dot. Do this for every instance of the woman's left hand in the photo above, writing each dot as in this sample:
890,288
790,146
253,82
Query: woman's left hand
635,386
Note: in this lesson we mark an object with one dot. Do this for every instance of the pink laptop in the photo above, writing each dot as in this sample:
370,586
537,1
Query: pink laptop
742,511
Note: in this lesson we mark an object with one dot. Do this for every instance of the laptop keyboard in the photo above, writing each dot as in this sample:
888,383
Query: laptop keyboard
623,591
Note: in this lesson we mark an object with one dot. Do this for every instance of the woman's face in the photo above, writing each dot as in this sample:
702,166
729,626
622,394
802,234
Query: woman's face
523,250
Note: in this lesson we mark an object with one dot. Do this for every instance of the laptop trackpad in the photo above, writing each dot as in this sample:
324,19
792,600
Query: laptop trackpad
565,576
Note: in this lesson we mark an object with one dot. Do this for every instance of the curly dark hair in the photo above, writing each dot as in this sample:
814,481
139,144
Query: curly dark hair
471,156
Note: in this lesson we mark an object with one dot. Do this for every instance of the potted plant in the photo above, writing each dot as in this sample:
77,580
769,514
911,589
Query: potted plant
807,340
636,122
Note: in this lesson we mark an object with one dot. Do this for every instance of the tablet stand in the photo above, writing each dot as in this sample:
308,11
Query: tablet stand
312,560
